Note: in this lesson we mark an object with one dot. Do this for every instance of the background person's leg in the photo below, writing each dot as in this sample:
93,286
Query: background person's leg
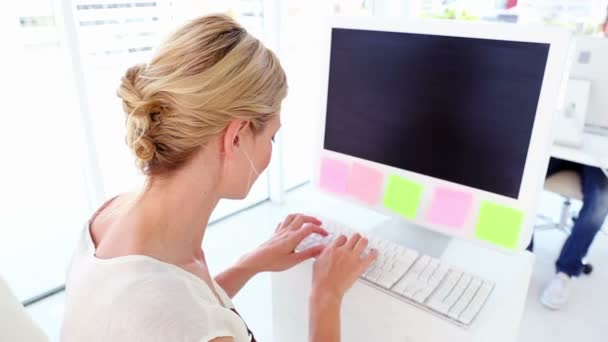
589,222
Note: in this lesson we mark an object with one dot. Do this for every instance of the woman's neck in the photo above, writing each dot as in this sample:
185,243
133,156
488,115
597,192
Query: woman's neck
174,214
167,219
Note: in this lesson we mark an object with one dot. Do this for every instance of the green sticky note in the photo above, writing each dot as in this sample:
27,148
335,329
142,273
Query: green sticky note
403,196
499,225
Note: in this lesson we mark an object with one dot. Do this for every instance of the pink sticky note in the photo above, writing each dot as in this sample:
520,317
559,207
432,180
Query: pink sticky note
365,184
449,207
334,175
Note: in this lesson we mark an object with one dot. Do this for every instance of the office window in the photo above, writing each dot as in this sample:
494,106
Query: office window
111,37
580,16
43,195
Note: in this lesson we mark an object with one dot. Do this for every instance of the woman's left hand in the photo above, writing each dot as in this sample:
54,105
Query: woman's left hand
278,253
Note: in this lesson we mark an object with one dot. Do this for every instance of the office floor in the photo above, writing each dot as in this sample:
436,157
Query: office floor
582,320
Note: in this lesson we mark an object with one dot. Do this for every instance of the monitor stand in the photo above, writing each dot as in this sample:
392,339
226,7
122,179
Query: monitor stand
414,236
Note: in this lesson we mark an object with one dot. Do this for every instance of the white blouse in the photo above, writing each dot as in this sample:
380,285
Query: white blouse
139,298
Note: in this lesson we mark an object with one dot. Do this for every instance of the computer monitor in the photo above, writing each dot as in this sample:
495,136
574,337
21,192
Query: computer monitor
446,125
590,63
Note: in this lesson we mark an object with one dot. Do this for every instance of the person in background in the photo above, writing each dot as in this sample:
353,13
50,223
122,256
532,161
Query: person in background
569,264
605,25
200,120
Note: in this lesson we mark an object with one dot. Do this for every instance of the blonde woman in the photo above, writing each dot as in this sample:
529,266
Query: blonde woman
200,120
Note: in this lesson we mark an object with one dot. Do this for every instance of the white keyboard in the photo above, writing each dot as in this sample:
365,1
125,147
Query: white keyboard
421,280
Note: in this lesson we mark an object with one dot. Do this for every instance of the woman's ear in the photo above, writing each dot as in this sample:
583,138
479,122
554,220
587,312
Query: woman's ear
233,136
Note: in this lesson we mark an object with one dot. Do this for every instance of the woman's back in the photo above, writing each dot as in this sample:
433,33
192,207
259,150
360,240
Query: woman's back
138,298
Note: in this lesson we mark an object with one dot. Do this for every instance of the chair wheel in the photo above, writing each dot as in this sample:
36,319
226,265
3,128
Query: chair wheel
587,269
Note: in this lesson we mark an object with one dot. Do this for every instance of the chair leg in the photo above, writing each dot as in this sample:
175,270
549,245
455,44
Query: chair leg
565,217
544,222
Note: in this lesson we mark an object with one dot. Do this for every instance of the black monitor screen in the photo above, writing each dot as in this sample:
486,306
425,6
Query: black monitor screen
457,109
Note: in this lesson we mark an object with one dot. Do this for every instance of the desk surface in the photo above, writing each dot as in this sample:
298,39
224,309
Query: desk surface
371,315
593,152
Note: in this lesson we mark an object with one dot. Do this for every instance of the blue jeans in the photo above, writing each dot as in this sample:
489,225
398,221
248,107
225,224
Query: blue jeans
590,218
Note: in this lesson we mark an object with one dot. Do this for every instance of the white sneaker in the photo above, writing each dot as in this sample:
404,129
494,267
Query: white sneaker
558,291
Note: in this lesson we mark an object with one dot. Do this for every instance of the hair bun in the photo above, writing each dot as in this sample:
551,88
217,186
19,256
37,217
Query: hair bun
144,149
129,90
138,117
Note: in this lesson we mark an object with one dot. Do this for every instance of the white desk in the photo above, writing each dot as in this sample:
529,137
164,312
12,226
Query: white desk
370,315
593,152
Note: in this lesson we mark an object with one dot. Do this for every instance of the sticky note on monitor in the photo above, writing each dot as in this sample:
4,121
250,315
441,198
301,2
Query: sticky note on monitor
499,225
334,175
449,207
403,196
365,184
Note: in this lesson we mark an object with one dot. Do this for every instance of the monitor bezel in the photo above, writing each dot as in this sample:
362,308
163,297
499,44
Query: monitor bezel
541,137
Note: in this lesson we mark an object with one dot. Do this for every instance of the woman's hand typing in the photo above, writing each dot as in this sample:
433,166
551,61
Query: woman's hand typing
278,253
339,266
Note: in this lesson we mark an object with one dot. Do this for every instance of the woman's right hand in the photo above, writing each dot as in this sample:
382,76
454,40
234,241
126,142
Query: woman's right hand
339,265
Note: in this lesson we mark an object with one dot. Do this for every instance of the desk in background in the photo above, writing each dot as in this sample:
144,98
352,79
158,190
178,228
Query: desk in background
593,152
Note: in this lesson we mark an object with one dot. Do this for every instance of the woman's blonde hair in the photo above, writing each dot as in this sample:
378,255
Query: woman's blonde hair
208,73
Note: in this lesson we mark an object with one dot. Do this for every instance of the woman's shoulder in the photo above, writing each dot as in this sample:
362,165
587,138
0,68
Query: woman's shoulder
165,304
151,306
142,277
163,294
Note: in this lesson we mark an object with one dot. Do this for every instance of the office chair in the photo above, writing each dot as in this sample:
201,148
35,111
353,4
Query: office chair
15,323
567,184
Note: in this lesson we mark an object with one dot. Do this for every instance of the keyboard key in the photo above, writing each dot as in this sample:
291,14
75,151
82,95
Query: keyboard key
430,286
401,285
465,299
373,275
429,270
401,267
424,293
446,287
407,282
422,282
475,305
411,288
367,270
439,274
386,281
458,290
420,265
406,260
